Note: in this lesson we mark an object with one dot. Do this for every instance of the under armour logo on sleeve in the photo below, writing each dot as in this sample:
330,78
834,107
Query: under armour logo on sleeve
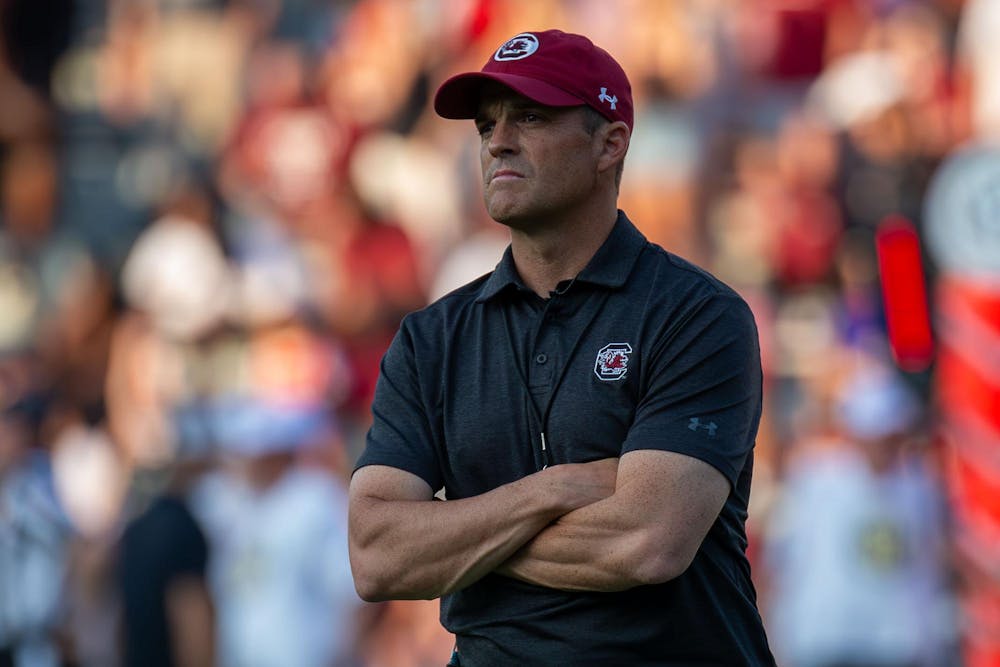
696,424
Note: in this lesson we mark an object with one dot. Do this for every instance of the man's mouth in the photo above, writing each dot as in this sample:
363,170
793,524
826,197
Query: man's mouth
505,175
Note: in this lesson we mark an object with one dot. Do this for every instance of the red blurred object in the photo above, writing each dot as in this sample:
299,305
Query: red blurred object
964,389
981,611
810,233
480,19
967,389
801,38
904,293
975,493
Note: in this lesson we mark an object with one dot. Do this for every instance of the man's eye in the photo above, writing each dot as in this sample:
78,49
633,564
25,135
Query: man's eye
531,117
484,128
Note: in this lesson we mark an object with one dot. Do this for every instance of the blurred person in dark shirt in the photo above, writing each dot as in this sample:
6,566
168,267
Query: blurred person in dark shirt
168,612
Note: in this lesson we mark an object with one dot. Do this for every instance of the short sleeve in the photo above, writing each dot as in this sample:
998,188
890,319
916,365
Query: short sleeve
165,539
191,555
703,395
401,435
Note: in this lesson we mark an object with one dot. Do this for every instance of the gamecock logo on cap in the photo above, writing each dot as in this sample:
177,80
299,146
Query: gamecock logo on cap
518,47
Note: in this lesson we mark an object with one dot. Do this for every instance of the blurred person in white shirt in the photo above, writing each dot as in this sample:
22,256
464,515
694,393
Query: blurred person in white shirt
856,545
278,533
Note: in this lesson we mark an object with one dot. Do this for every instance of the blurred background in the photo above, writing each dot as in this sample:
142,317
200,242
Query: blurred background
213,215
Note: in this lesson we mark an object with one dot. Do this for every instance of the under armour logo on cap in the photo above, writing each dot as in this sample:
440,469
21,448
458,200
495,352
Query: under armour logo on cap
604,97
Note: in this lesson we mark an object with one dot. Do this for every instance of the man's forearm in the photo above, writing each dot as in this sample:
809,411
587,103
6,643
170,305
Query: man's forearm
439,547
595,548
647,532
403,548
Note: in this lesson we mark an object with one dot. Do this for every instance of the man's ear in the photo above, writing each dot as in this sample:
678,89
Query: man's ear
615,139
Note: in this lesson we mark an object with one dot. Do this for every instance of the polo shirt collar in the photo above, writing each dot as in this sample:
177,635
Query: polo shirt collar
612,263
609,267
503,276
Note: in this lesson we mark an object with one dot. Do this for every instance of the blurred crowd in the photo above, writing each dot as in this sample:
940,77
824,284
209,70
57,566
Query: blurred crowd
214,213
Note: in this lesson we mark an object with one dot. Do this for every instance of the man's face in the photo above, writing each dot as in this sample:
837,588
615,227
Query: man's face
539,163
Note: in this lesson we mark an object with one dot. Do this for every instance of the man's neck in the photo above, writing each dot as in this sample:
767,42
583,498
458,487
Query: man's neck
547,257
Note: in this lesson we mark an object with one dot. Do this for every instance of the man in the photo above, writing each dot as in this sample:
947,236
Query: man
589,408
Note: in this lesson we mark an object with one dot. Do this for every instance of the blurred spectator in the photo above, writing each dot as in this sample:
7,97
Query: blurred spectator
857,550
176,281
278,534
91,481
162,560
24,114
287,150
979,60
34,535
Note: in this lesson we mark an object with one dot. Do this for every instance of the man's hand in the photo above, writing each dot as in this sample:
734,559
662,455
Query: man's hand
580,484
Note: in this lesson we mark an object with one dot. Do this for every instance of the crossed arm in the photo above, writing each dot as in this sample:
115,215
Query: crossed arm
600,526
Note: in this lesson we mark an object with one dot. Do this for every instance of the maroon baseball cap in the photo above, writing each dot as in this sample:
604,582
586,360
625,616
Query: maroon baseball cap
551,67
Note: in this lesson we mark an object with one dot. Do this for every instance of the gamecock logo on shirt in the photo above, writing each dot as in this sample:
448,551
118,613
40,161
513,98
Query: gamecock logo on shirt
612,361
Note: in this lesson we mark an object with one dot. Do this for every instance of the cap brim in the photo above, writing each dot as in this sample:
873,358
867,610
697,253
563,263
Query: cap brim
459,96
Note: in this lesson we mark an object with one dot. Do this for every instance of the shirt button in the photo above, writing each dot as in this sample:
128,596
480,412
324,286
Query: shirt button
541,358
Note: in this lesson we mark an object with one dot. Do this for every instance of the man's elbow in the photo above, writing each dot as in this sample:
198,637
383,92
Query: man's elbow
660,563
371,591
378,584
369,580
378,581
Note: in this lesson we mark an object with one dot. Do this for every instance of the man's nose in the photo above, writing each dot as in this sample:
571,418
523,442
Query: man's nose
503,138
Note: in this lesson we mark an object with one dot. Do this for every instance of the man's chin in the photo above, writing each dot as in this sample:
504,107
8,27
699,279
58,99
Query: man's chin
506,214
517,213
510,219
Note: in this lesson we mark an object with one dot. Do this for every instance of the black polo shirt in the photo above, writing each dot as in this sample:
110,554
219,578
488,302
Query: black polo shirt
642,350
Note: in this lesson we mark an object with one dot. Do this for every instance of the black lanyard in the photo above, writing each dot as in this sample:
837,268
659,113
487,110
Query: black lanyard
542,415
